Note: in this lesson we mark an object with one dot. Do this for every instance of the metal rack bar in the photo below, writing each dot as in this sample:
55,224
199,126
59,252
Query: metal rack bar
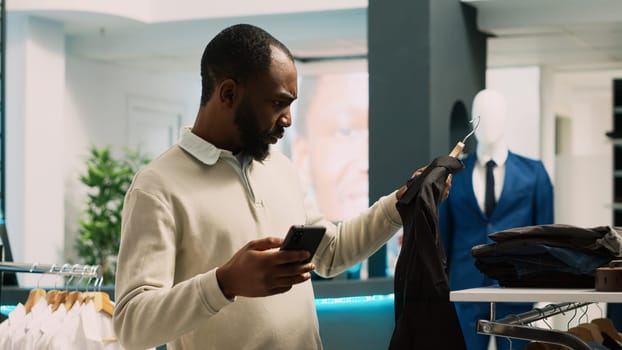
512,326
76,270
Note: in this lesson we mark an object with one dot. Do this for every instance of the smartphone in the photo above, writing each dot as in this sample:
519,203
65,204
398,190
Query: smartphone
300,237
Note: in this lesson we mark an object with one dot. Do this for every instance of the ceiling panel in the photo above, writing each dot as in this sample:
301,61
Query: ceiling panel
561,34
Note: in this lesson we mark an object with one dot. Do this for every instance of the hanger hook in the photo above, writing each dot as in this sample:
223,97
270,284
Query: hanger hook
100,281
584,314
88,282
72,274
572,318
600,309
475,122
32,268
84,269
62,272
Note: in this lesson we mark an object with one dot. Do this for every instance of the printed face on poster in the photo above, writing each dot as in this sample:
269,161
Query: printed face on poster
328,142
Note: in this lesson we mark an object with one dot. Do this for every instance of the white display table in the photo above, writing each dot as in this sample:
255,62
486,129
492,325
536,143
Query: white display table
502,294
517,326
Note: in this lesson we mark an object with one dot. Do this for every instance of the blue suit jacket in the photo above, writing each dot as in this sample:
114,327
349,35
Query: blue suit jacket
526,199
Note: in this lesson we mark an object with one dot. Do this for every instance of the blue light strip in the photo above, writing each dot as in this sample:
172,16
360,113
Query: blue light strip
365,299
6,309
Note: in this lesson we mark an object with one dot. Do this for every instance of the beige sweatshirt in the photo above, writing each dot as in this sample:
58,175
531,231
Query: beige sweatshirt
187,213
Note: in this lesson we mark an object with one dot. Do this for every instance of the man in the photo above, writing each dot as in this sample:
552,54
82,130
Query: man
199,265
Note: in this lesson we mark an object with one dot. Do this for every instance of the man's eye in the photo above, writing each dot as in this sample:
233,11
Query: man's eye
278,103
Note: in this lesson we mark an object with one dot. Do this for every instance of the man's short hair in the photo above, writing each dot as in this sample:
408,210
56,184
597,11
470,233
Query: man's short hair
239,52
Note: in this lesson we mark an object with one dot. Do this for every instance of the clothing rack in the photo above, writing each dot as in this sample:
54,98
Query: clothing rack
513,326
75,270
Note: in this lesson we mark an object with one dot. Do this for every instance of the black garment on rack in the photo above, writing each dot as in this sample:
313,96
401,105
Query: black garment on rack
424,316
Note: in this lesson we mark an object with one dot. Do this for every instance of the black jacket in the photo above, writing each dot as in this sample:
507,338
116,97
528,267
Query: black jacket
424,316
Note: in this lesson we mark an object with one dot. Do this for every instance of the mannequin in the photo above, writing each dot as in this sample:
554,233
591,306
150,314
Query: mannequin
524,196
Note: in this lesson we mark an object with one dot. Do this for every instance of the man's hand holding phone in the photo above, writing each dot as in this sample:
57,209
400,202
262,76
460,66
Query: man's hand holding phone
300,237
257,269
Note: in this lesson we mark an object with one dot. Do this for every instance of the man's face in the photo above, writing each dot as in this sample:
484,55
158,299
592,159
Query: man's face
264,110
255,139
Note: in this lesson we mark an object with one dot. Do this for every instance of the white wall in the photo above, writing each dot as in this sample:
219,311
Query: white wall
96,111
521,88
34,210
582,176
584,173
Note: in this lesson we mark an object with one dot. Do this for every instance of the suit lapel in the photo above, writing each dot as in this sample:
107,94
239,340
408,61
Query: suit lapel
509,182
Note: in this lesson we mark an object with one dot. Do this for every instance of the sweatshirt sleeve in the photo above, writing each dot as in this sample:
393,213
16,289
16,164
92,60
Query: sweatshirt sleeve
145,289
352,241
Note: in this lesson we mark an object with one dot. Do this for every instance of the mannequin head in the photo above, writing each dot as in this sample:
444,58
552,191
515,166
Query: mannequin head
490,106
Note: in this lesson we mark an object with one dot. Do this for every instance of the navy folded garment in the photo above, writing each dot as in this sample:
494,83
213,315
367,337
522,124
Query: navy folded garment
603,240
538,265
547,256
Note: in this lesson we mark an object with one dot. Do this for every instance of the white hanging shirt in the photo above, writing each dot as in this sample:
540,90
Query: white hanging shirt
67,336
10,326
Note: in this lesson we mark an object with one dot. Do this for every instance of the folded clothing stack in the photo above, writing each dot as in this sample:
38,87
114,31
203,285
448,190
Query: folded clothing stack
548,256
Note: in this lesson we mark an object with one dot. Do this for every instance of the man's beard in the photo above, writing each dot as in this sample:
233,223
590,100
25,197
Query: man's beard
254,141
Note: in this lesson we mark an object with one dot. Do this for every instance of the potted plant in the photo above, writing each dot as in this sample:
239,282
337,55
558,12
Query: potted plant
107,178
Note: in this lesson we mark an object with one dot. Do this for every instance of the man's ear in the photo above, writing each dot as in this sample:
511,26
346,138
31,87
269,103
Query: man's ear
228,91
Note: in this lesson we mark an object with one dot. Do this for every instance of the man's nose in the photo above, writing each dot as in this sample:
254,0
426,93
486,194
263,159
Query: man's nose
285,120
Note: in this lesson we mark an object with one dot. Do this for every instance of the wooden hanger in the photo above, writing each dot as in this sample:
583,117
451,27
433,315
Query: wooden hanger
607,326
55,298
102,302
73,298
583,333
33,297
595,330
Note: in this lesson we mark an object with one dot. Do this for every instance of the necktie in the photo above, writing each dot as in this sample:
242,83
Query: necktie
490,203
